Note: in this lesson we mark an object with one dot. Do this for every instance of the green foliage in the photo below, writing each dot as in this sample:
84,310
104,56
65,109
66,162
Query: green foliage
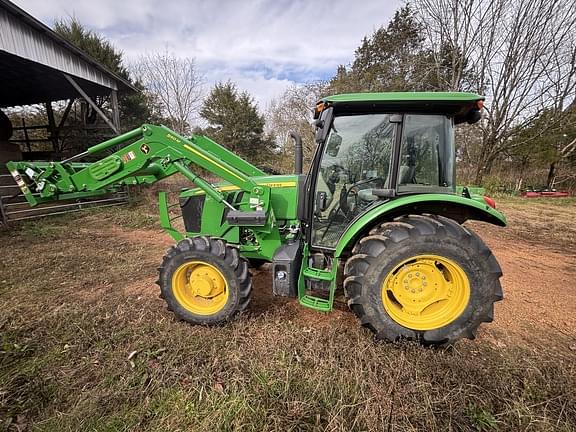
234,122
135,108
481,419
493,184
393,58
139,107
92,44
548,141
547,136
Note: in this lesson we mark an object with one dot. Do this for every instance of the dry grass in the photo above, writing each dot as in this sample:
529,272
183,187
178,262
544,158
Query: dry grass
540,221
77,297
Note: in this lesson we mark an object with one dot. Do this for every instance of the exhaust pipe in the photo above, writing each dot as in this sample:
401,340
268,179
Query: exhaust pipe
297,152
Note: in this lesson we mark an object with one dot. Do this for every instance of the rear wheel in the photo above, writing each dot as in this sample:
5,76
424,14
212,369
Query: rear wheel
422,277
204,281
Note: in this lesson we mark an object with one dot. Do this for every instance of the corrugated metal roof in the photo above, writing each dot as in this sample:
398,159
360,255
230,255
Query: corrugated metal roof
24,36
24,82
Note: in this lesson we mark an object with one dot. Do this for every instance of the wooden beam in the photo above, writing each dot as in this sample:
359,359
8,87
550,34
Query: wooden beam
17,128
91,103
115,109
26,137
52,127
65,114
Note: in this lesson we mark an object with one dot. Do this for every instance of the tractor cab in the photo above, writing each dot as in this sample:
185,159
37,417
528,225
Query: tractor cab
380,146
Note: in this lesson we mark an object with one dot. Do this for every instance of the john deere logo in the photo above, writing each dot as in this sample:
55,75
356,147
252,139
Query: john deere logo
145,149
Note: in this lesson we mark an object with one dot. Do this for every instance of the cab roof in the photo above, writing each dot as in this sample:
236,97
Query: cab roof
404,97
460,105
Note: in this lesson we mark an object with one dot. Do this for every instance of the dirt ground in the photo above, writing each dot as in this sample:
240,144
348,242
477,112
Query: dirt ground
538,259
537,256
539,286
86,343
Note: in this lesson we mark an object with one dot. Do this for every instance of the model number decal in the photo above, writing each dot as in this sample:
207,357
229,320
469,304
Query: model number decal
173,138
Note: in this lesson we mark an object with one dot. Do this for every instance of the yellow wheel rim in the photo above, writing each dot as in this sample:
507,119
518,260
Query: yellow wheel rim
200,288
426,292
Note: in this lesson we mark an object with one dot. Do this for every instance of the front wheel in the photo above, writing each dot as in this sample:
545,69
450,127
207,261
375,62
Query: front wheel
204,281
424,278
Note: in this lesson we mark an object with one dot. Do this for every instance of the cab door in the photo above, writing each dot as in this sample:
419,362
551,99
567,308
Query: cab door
356,158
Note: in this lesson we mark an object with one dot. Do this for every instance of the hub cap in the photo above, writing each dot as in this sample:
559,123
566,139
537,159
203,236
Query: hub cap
426,292
200,288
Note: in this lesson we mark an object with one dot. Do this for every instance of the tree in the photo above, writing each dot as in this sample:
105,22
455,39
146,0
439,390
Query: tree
139,108
393,58
234,121
556,148
293,111
135,108
175,83
523,54
92,44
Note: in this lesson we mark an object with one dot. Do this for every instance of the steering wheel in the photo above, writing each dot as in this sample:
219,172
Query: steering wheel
344,204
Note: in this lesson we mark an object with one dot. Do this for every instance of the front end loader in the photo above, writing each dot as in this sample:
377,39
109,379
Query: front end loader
377,215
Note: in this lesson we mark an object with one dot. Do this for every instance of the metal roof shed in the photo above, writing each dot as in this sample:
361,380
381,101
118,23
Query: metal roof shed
39,66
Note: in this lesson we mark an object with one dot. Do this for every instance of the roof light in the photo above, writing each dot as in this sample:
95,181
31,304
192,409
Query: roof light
319,108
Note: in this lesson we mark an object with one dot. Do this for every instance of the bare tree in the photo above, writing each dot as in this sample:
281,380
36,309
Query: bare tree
523,58
175,83
293,111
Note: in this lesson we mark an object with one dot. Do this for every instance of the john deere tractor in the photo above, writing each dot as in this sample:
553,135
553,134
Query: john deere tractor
378,214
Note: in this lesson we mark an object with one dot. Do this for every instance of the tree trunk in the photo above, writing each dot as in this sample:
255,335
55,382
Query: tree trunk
551,175
479,175
484,168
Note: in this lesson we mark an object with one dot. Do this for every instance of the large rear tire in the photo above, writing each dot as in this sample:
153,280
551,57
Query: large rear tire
424,278
204,281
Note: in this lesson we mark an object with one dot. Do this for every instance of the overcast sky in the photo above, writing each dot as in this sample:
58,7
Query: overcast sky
262,45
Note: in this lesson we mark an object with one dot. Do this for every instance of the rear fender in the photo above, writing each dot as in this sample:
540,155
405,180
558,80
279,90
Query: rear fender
454,207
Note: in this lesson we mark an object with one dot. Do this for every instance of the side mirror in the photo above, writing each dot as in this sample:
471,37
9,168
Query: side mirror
320,203
473,116
333,145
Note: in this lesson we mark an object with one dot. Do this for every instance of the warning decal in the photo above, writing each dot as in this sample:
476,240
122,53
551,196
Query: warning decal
129,156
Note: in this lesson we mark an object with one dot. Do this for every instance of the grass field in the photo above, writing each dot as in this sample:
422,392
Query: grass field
87,345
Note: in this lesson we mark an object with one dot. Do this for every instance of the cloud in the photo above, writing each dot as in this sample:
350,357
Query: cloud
262,45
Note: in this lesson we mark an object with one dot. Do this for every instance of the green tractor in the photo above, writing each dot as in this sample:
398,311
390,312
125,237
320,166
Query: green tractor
378,214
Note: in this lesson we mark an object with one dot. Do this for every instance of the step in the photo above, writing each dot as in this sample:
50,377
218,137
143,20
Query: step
320,304
323,275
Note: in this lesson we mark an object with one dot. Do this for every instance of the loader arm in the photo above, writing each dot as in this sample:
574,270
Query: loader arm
146,155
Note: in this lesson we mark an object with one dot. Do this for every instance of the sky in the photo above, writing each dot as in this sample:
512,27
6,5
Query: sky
263,46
